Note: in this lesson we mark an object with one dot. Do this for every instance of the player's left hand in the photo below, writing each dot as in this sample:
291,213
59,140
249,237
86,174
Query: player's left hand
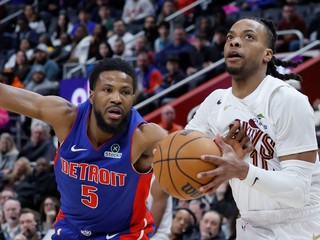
228,166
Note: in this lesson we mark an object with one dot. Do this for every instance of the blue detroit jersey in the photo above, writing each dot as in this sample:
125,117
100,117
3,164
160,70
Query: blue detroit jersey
100,190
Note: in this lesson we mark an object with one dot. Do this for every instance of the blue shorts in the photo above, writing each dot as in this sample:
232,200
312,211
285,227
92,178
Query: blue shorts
64,230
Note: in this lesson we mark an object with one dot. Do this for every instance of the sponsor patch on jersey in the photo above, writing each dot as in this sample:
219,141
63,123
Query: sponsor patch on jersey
258,121
114,151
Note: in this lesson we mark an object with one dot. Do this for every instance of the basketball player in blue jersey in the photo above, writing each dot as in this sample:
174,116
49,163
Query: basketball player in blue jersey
103,164
275,181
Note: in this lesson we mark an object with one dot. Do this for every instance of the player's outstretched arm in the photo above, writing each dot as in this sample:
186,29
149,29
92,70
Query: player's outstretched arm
56,111
148,136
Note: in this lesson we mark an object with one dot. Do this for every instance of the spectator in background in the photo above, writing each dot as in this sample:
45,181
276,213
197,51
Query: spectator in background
179,47
99,35
168,8
80,45
8,153
220,18
40,143
29,225
184,224
51,68
61,53
62,26
168,116
5,194
164,37
204,28
120,31
40,83
49,8
11,209
199,208
43,180
174,75
70,7
22,66
94,8
150,31
218,41
203,55
290,20
210,226
149,77
141,45
21,169
37,185
215,12
120,50
34,21
134,13
105,18
24,31
49,210
83,19
105,51
221,200
25,47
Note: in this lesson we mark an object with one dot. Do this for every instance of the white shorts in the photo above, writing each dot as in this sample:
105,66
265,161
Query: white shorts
286,224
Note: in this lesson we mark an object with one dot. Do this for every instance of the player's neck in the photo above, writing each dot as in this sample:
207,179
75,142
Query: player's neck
242,87
96,136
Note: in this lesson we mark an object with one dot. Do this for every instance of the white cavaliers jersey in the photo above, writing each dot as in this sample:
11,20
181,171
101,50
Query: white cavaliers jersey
278,120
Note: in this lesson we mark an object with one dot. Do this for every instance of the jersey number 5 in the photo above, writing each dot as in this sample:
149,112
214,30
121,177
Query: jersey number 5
91,198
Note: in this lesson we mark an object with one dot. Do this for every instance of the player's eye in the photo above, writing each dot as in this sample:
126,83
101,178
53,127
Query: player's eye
229,37
249,36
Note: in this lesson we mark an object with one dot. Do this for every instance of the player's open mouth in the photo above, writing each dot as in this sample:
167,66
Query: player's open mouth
234,55
115,112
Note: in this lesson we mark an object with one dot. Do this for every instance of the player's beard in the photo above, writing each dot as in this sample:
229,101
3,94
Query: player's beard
108,128
233,70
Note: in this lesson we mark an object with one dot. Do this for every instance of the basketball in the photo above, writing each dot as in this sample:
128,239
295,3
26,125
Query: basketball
177,162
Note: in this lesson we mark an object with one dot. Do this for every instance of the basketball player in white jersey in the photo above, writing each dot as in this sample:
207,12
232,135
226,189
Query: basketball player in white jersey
275,181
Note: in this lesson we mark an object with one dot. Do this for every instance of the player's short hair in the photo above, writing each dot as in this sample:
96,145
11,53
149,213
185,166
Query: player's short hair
112,64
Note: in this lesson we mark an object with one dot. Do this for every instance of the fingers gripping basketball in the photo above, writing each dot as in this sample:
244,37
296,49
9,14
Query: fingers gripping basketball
177,162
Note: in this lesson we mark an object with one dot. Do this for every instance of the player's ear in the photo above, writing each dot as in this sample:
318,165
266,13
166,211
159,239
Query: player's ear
268,55
91,94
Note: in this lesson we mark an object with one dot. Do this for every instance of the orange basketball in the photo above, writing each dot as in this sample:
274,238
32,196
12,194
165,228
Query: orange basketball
177,162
